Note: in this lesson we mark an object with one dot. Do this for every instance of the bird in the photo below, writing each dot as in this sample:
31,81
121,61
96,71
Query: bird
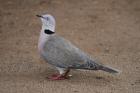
62,54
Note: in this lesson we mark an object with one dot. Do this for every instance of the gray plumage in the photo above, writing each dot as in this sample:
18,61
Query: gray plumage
60,53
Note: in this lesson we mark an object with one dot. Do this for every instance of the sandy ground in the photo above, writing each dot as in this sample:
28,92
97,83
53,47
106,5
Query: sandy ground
108,30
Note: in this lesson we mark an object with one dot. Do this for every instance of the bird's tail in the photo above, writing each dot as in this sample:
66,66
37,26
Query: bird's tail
110,69
92,65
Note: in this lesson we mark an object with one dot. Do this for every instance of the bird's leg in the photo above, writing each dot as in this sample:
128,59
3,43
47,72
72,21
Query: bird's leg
60,76
66,73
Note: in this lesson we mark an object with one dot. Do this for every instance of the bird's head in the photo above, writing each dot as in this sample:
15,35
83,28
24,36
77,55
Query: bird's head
48,23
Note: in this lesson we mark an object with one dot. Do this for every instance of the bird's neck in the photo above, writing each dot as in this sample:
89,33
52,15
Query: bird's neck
44,36
42,40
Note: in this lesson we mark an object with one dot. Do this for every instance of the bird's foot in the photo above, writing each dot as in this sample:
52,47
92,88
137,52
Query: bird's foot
57,77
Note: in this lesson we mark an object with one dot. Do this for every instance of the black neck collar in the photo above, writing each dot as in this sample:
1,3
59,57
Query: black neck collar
47,31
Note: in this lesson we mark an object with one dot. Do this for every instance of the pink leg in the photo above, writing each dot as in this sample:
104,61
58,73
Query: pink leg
59,76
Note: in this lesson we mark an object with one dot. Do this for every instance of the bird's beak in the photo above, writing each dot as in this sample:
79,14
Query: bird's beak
39,16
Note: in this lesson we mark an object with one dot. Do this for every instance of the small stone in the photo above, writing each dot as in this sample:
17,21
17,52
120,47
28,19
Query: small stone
106,50
98,77
100,44
75,91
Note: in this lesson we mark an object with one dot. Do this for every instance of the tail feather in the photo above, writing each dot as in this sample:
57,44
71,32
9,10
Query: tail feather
110,69
92,65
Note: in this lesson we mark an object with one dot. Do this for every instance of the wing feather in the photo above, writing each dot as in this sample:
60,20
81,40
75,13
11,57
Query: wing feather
62,53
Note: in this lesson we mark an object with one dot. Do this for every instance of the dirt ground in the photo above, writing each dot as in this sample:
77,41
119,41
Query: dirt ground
108,30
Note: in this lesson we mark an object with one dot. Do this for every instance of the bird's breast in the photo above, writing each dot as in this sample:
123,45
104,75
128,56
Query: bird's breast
41,43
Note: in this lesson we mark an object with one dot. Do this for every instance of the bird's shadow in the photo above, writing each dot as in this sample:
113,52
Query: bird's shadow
81,77
40,74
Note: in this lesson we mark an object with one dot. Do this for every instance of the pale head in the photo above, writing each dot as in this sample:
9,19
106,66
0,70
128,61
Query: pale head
48,22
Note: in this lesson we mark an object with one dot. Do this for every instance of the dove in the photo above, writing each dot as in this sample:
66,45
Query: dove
62,54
